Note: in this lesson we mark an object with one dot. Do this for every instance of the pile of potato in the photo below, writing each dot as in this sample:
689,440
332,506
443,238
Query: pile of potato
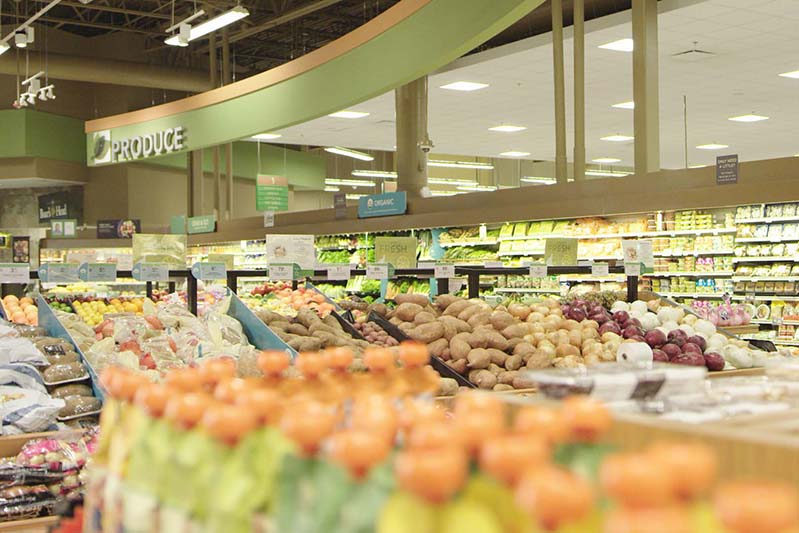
307,332
491,346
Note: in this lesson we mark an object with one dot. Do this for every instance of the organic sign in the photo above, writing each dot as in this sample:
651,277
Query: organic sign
271,193
381,205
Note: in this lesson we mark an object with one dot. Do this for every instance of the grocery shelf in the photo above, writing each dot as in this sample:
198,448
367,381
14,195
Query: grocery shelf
533,237
518,254
692,294
694,254
765,278
526,290
468,243
765,259
766,239
693,274
589,279
766,297
664,233
775,321
782,342
768,220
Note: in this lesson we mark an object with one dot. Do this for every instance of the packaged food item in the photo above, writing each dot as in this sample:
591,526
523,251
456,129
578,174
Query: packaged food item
22,375
12,474
70,356
74,389
79,405
20,350
26,411
55,374
54,454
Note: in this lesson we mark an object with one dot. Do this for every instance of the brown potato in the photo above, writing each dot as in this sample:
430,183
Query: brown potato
502,387
426,332
458,365
459,347
479,319
514,362
484,379
498,357
507,377
407,311
418,299
455,308
457,323
501,320
479,358
437,347
539,359
423,317
516,330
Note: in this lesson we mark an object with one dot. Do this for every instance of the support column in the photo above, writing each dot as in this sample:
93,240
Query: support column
195,182
560,92
645,86
579,90
226,79
411,111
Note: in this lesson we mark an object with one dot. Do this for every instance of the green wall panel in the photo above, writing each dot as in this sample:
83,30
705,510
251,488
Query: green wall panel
435,35
30,133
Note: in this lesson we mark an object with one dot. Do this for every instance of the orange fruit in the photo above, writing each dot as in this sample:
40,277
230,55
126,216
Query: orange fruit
214,370
507,457
586,419
152,399
358,450
473,402
184,379
434,475
227,423
757,507
310,364
413,354
636,480
429,436
541,421
273,362
668,519
229,389
473,430
554,496
264,403
186,410
378,359
307,423
692,465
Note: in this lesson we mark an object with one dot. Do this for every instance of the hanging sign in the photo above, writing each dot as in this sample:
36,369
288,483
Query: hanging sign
103,149
14,273
288,249
271,193
208,271
151,272
62,204
726,169
340,205
97,272
118,228
59,273
201,224
269,219
561,252
399,251
177,224
382,205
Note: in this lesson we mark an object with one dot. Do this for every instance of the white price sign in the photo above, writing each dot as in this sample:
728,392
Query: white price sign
269,219
599,270
209,271
15,273
538,271
339,272
98,272
376,271
151,271
281,272
632,269
426,265
494,264
444,271
81,257
125,262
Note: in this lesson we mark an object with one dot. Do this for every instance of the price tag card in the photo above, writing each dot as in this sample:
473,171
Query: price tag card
151,272
599,270
59,273
125,262
379,271
456,284
494,264
538,270
444,271
285,272
269,219
483,232
15,273
632,269
426,265
98,272
339,272
208,271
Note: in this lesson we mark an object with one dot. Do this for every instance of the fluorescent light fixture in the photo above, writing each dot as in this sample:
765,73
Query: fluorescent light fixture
346,152
450,181
712,146
617,138
4,47
444,193
542,180
748,118
204,28
622,45
792,74
514,153
464,86
475,165
607,173
697,166
507,128
349,183
629,104
349,114
331,188
375,174
266,136
477,188
606,160
355,196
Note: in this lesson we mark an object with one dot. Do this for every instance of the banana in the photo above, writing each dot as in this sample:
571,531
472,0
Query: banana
468,515
405,513
499,500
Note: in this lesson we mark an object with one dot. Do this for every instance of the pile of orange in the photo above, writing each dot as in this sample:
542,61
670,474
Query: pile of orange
21,310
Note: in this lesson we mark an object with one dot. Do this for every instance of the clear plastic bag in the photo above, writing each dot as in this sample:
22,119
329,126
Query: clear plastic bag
26,411
55,454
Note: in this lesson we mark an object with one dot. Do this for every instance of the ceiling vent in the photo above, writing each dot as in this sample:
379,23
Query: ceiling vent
693,55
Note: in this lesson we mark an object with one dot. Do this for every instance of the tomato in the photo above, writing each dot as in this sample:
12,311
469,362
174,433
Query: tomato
473,430
358,450
310,364
416,412
264,403
587,419
184,379
637,480
476,402
273,362
757,507
152,399
375,413
229,389
435,475
668,519
554,496
379,359
413,354
541,421
227,423
693,466
147,362
507,457
214,370
430,436
186,410
127,383
307,423
338,358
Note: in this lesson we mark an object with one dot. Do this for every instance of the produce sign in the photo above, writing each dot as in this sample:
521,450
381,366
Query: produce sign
94,272
271,193
288,249
201,224
561,252
15,273
59,273
381,205
118,228
398,251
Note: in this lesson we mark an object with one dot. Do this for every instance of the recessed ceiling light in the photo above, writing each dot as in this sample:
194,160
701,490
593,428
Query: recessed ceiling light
331,188
792,74
697,166
748,118
476,165
606,160
507,128
355,154
349,183
607,173
385,174
514,153
450,181
477,188
266,136
543,180
349,114
622,45
464,86
712,146
443,193
629,104
617,138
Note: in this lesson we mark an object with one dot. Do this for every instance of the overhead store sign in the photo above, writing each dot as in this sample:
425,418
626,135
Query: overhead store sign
382,205
400,45
726,169
271,193
201,224
106,149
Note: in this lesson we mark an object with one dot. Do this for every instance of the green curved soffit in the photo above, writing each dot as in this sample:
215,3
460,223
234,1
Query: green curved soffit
433,36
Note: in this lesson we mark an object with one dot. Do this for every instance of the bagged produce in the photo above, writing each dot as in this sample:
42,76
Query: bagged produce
26,411
20,350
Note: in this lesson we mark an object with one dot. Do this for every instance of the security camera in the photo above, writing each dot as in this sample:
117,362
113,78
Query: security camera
426,145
